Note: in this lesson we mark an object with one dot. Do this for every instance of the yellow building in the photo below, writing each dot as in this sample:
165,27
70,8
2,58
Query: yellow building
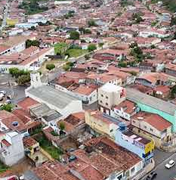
101,123
12,22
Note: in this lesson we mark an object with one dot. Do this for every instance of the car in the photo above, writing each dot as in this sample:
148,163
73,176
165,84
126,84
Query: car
170,164
3,92
151,176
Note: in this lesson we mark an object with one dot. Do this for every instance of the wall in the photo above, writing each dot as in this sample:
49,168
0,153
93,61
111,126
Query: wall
166,116
15,152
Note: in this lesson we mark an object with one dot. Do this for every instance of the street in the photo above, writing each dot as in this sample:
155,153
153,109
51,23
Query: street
161,158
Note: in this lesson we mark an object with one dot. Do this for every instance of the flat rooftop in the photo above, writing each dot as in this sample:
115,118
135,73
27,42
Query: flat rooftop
52,96
155,103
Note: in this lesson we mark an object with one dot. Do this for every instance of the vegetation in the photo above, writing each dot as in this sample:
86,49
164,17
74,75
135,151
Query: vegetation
3,167
169,4
68,66
85,31
74,35
54,133
122,64
30,43
173,21
7,107
137,52
173,92
32,7
69,14
75,52
62,126
91,23
60,48
48,147
50,66
124,3
37,130
92,47
137,18
22,77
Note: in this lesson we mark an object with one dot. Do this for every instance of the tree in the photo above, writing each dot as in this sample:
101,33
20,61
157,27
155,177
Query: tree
74,35
87,57
50,66
62,126
173,92
92,47
22,80
7,107
122,64
30,43
91,23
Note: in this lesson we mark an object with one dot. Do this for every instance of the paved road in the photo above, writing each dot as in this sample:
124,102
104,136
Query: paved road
162,172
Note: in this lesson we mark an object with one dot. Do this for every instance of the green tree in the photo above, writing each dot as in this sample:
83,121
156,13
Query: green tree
7,107
122,64
62,126
50,66
74,35
30,43
91,23
23,79
92,47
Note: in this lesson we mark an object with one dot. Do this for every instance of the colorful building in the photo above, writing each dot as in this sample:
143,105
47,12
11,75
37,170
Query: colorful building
135,143
154,105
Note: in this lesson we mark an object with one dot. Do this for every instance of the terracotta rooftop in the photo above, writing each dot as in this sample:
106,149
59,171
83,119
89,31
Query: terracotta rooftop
153,119
27,103
29,141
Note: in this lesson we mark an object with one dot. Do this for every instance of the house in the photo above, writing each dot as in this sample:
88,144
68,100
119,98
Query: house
33,151
113,162
11,147
9,121
125,110
152,126
74,122
110,95
154,105
14,44
135,143
29,59
152,79
170,69
102,123
57,100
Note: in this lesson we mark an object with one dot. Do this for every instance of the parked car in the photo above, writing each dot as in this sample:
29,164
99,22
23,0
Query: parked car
1,96
3,92
151,176
170,164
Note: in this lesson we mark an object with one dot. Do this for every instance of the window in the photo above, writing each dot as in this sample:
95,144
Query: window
101,95
145,127
134,122
133,170
111,130
106,104
106,97
151,129
101,101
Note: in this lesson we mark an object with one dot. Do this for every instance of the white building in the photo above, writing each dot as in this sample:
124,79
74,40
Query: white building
55,99
29,59
110,95
11,148
14,44
86,94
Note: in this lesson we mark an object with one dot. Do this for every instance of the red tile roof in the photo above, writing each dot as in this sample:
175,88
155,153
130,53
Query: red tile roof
27,103
154,120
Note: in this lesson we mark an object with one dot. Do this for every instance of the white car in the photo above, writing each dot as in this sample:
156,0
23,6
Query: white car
170,164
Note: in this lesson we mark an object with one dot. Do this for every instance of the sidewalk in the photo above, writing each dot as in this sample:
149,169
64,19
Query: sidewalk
146,170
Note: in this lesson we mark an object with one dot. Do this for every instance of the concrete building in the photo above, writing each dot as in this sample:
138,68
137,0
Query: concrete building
110,95
14,44
135,143
28,59
154,105
59,101
11,147
103,123
152,126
